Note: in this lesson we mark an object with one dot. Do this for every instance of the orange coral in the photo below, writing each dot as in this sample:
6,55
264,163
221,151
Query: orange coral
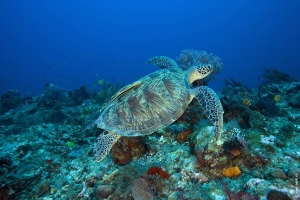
231,171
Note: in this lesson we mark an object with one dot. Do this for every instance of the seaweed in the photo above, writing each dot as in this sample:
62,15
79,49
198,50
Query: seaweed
233,83
273,76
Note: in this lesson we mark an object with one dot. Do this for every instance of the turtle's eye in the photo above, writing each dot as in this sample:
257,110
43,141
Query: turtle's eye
209,67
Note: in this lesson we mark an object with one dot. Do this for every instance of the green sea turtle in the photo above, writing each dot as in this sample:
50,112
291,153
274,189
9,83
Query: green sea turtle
155,101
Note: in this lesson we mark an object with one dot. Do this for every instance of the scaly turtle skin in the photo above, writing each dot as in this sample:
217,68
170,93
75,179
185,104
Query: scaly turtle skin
155,101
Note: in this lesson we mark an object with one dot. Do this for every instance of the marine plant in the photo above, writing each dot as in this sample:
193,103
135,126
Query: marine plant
233,83
253,137
274,76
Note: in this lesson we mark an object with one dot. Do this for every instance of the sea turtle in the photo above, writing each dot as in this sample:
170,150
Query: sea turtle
155,101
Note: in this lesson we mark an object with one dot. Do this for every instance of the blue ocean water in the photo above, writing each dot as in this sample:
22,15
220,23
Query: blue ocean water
75,43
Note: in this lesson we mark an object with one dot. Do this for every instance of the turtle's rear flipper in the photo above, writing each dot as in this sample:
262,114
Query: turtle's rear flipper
103,144
212,107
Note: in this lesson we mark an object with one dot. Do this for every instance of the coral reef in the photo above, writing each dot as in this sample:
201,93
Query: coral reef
10,100
46,152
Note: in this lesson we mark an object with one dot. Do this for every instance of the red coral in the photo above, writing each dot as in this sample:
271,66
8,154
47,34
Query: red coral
154,170
164,175
159,171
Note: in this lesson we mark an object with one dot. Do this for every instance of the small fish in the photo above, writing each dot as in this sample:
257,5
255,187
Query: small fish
100,82
52,190
246,102
277,98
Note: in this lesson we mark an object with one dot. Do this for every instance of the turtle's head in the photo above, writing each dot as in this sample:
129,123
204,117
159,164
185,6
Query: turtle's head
198,72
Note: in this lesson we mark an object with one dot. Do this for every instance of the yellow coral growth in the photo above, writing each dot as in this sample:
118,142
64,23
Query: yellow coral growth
231,171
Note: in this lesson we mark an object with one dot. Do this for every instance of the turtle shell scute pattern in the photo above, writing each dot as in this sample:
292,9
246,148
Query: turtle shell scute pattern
157,102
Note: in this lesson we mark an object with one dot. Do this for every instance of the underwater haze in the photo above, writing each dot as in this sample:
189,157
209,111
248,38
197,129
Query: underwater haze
76,43
227,127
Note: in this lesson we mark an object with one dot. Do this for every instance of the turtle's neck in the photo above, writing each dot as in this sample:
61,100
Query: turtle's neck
192,74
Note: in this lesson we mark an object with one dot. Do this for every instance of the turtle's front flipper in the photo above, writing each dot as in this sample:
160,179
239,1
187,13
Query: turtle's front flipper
103,144
162,62
212,107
